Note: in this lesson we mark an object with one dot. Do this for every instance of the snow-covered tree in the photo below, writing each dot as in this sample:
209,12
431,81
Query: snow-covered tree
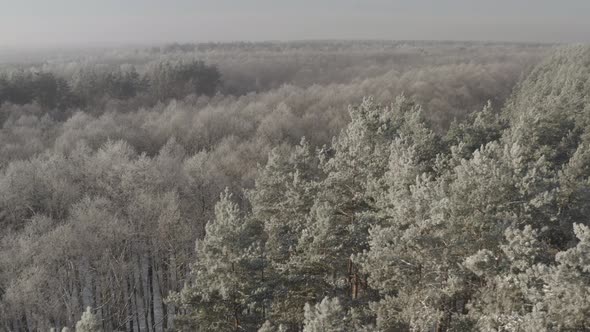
328,315
88,322
227,292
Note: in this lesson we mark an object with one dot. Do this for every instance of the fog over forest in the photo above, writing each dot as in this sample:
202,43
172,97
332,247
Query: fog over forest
34,23
338,180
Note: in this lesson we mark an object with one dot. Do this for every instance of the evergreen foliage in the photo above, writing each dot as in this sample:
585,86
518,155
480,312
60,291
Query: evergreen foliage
392,227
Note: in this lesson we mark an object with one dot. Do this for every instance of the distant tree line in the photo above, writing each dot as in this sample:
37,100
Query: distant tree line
46,89
163,81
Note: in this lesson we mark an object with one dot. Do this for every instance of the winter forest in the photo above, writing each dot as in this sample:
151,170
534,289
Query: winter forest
296,186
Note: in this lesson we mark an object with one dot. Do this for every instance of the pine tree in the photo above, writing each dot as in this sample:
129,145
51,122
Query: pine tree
433,220
283,195
328,315
548,114
88,322
481,128
227,293
267,327
281,200
337,226
565,304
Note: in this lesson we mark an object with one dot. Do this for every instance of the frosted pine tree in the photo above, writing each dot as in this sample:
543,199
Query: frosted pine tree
267,327
283,195
565,304
328,315
549,114
435,213
482,127
338,223
88,322
227,290
281,200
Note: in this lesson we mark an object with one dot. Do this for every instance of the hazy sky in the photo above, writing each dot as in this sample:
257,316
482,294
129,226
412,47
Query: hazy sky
51,22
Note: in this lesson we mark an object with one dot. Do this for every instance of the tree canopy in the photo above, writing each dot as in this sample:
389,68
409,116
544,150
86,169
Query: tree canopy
168,193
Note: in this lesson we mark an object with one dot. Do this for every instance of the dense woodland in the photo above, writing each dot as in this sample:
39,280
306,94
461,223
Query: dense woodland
302,186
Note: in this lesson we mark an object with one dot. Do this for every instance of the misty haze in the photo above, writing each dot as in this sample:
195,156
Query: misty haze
303,166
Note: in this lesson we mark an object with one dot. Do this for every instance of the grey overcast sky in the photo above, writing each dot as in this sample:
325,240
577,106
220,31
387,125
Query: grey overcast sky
59,22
